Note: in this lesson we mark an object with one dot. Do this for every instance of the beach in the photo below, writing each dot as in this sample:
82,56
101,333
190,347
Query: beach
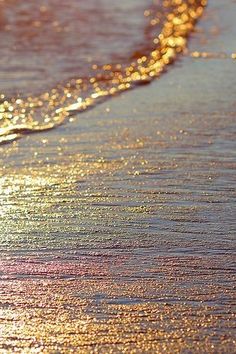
118,227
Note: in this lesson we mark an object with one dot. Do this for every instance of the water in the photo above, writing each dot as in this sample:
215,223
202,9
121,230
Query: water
47,42
117,229
59,59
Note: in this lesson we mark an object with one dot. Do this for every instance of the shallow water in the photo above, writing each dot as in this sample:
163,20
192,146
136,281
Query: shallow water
48,42
83,46
118,228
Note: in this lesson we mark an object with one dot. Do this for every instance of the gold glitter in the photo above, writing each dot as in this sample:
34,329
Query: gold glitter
50,109
212,55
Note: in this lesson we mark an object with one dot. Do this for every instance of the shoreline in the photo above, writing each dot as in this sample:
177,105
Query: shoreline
118,229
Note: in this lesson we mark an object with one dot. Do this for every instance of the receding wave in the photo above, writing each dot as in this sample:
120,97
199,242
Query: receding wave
60,50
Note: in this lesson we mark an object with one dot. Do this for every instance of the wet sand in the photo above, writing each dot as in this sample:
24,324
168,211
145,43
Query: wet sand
118,228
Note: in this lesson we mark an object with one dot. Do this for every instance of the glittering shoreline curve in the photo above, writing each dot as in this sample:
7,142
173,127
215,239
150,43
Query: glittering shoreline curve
49,110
